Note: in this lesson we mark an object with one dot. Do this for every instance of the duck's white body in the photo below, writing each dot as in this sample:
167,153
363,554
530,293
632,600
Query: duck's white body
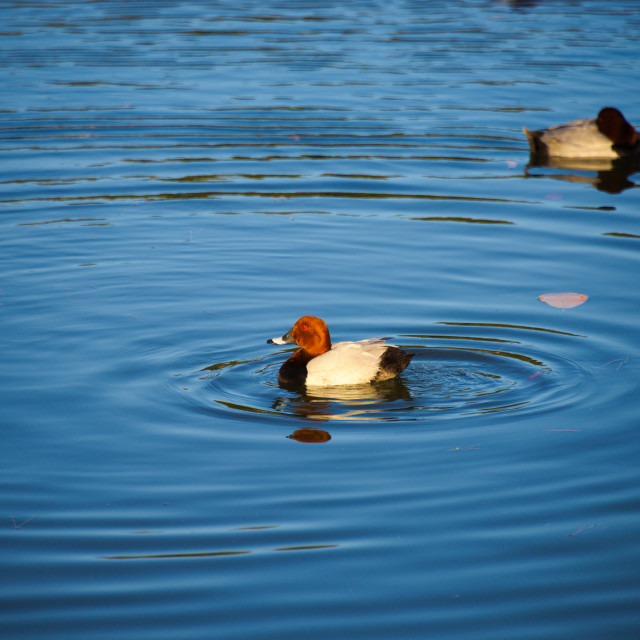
349,363
577,139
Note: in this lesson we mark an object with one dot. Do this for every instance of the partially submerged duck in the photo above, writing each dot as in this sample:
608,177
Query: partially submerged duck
607,136
319,363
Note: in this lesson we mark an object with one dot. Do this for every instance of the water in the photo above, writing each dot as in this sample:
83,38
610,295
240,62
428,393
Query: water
180,182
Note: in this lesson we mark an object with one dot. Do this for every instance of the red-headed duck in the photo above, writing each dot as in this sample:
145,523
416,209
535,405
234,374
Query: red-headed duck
319,363
607,136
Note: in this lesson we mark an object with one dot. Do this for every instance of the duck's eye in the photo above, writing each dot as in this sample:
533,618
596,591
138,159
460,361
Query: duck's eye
304,327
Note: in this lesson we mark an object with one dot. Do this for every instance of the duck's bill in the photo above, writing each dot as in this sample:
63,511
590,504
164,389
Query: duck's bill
287,338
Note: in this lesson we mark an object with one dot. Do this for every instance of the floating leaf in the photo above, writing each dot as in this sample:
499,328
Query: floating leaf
563,300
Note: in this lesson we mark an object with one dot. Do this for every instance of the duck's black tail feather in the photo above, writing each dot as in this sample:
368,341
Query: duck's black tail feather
393,362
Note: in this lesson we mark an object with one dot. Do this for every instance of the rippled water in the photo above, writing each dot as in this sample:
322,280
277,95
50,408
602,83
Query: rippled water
180,182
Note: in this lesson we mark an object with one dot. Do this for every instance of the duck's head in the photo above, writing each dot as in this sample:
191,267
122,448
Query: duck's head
613,124
310,333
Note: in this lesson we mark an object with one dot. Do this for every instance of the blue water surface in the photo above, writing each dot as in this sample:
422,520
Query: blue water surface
182,181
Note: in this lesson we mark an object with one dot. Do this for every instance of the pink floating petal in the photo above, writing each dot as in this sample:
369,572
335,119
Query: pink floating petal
563,300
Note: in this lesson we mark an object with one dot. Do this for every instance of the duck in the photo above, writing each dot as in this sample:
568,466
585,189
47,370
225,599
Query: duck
607,136
318,363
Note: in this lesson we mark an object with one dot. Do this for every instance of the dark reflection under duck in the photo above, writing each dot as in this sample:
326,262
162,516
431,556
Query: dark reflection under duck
610,176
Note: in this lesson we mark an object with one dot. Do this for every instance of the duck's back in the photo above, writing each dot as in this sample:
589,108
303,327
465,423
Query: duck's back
578,139
357,363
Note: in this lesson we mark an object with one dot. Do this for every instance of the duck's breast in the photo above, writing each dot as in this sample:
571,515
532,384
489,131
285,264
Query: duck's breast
347,363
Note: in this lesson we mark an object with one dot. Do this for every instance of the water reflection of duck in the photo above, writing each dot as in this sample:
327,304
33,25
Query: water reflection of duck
364,403
610,176
319,363
607,136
